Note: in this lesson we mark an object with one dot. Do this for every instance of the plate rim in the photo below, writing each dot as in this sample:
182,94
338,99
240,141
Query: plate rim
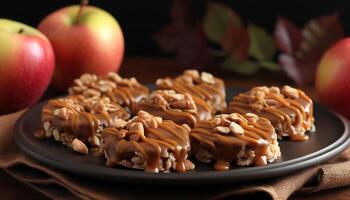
205,177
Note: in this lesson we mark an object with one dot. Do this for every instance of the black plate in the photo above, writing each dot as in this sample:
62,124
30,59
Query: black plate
330,139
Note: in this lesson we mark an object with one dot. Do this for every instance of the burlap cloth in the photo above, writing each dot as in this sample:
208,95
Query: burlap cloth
57,184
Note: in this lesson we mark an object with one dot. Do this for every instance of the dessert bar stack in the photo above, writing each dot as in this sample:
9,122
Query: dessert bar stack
184,119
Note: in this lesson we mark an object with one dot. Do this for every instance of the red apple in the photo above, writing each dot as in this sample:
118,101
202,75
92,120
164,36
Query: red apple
26,65
85,39
333,78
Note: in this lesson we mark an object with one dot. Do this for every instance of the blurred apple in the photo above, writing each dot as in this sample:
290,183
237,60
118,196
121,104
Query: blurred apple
85,39
26,65
333,78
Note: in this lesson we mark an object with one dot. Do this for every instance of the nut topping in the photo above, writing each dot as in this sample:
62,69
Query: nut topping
236,128
222,129
251,117
207,77
79,146
290,92
119,123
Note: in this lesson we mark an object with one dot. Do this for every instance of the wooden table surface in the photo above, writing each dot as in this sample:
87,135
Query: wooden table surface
147,70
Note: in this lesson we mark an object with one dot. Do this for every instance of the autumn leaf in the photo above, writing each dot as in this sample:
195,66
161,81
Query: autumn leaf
261,43
269,65
288,36
299,57
236,42
246,67
217,19
185,37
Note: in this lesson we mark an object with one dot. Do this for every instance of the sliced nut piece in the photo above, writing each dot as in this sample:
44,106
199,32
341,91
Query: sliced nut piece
62,113
222,129
78,82
235,117
47,125
251,117
56,134
158,119
159,100
167,164
221,116
114,76
165,154
207,77
236,128
144,115
274,90
88,78
259,94
172,157
290,92
137,128
92,92
79,146
164,82
152,123
119,123
263,89
136,159
96,140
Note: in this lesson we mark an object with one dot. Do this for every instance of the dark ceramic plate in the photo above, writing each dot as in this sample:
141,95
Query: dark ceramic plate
330,139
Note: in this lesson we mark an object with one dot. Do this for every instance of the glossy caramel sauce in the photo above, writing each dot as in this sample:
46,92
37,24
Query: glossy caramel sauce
211,90
121,144
290,110
224,147
180,108
83,116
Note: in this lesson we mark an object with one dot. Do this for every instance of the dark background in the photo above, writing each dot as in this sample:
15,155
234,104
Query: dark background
139,19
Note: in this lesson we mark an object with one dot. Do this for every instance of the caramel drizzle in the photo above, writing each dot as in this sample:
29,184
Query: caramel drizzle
75,124
303,120
207,92
168,135
125,96
189,118
257,136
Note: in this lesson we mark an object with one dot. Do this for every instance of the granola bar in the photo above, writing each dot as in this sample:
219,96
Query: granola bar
290,110
148,143
201,85
235,139
77,121
180,108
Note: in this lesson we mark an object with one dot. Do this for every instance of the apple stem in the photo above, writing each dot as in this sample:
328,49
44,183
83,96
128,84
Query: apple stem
82,4
21,30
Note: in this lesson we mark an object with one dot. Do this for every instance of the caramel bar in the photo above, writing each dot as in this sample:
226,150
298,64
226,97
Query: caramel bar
148,143
123,91
201,85
180,108
76,121
235,139
290,110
